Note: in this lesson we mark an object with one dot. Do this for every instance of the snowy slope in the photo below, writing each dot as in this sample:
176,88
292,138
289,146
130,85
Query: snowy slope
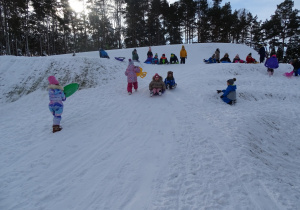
183,150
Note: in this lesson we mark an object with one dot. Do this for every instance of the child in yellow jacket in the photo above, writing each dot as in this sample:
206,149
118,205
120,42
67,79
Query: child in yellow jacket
183,55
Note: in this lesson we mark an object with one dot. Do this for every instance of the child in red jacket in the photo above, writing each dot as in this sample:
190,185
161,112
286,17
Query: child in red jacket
249,59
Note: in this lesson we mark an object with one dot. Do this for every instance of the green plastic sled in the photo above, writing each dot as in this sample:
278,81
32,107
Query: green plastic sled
70,89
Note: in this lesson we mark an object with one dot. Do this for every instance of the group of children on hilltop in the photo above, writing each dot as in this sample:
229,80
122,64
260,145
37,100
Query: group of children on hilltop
215,58
163,60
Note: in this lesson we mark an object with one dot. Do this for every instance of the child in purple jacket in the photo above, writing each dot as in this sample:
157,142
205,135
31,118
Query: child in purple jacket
271,63
56,97
131,76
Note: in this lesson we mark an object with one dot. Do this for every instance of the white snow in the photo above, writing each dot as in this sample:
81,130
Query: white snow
184,150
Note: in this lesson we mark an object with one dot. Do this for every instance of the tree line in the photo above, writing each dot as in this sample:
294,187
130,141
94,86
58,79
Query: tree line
51,26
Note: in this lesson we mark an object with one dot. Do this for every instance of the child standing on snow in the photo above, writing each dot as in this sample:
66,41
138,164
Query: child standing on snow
56,97
217,53
271,63
170,81
157,86
131,76
183,55
229,95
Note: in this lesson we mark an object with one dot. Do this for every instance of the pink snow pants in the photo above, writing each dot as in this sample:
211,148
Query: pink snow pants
129,86
156,90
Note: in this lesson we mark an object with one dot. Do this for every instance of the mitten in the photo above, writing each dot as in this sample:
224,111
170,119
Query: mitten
221,96
219,91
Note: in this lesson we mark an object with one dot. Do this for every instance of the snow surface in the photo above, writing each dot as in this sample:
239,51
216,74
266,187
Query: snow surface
184,150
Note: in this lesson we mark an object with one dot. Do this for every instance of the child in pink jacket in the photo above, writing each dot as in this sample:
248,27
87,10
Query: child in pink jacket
131,76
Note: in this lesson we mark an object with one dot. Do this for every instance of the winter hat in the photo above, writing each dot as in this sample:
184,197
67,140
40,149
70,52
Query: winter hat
130,62
156,75
53,81
231,81
156,55
274,55
163,55
150,49
237,56
250,54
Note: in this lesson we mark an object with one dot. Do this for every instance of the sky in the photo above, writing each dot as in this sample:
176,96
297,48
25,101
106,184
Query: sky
186,149
263,9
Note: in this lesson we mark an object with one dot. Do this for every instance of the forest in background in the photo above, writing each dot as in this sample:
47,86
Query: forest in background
49,27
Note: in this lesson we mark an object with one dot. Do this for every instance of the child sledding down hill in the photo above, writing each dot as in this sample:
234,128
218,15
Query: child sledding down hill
170,81
131,76
56,106
212,59
271,63
157,86
229,95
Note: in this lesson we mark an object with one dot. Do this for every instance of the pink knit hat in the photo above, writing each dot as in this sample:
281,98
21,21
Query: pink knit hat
53,81
156,76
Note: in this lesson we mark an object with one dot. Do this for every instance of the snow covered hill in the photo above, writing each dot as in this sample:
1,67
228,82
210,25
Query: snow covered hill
185,149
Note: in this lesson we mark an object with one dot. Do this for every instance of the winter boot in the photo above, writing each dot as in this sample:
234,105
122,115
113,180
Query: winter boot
56,128
159,93
151,93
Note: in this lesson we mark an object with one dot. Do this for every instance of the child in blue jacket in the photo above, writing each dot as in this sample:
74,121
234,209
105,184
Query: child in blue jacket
229,95
212,59
170,81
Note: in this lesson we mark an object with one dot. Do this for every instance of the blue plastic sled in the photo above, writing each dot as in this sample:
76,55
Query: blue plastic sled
120,58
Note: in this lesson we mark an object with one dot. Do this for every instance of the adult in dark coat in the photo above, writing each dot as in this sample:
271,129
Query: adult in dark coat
262,53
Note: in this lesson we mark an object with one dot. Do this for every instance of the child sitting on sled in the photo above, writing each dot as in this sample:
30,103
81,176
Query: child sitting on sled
155,60
212,59
249,59
229,95
163,59
56,97
173,59
170,81
131,76
157,86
